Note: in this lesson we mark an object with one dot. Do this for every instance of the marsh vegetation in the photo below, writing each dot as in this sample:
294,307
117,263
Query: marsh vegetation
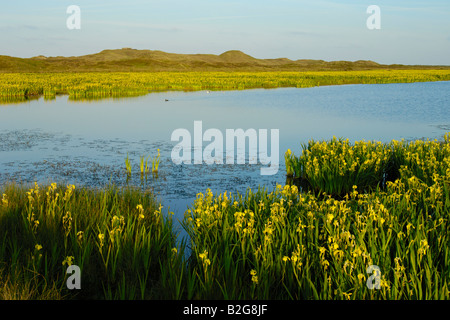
291,243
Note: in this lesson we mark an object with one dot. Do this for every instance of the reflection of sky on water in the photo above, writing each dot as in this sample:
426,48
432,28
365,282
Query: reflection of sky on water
87,142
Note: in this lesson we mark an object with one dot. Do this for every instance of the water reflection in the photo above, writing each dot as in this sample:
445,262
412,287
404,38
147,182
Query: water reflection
86,142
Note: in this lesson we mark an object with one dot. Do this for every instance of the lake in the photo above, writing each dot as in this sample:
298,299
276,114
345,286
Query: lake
86,142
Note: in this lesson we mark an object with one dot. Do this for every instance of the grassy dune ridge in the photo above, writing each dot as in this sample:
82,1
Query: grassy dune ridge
132,60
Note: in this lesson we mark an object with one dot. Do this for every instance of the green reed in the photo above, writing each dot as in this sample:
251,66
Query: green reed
128,165
155,162
282,244
144,165
120,239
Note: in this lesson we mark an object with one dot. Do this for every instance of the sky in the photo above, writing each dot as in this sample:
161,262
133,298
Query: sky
411,32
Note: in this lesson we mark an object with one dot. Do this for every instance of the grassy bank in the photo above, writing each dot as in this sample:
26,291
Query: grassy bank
285,244
22,86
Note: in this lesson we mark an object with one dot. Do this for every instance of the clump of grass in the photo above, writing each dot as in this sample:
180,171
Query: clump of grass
145,169
120,239
424,159
155,162
144,165
128,165
334,167
26,286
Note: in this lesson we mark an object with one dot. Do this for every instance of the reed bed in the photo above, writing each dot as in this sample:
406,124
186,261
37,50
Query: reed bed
120,238
309,244
94,85
335,166
290,243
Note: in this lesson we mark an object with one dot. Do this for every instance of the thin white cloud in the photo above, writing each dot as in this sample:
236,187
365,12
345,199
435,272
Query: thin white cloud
139,25
234,17
219,18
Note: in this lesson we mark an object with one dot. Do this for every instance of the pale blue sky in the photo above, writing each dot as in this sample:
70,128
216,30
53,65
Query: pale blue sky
412,32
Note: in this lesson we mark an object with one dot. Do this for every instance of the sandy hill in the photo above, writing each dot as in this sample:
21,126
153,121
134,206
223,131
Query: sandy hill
127,59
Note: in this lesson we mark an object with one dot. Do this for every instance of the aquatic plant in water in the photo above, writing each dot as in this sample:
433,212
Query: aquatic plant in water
155,162
128,165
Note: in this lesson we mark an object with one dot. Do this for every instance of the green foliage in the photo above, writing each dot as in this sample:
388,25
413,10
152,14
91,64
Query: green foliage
97,85
284,244
291,245
119,238
336,166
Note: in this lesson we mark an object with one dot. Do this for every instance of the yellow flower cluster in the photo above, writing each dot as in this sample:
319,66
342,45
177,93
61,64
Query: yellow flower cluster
101,238
4,200
336,167
117,226
245,222
68,260
427,161
254,275
140,209
67,223
204,258
69,191
401,225
291,230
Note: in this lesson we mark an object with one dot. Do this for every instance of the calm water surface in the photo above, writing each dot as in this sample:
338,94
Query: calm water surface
86,142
